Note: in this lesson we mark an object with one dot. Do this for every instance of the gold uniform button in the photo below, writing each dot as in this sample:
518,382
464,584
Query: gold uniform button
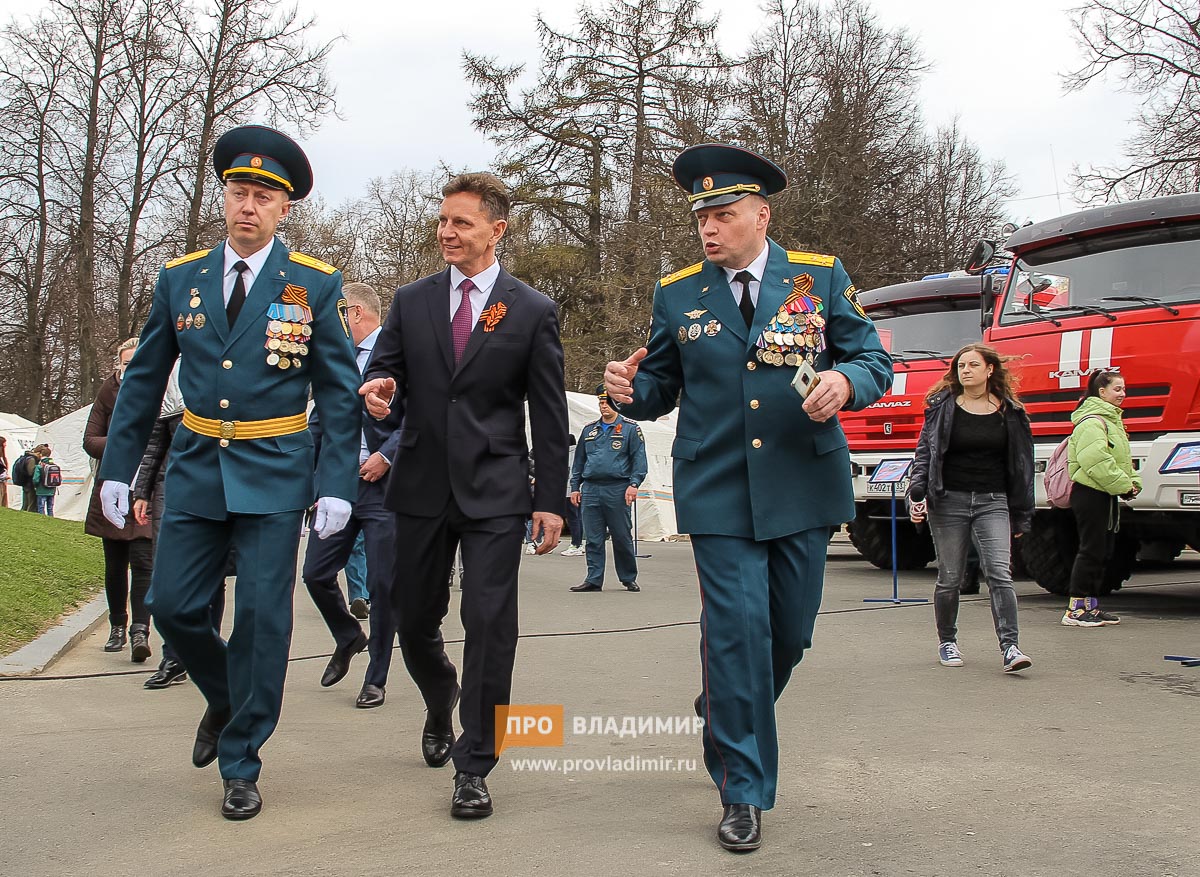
227,364
225,403
224,443
750,366
757,443
754,404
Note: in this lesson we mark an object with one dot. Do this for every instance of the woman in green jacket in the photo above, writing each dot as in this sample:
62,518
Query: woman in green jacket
1101,467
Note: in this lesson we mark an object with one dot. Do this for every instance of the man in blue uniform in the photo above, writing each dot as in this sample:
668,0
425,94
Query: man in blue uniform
760,474
609,467
254,328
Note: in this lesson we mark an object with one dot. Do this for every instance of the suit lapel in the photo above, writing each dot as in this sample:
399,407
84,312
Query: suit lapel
209,277
438,300
503,290
267,287
717,297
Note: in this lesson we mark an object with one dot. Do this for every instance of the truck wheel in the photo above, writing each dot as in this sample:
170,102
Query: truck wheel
1049,548
1160,550
873,539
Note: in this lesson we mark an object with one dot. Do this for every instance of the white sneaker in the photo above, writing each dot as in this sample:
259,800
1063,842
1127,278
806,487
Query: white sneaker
530,548
573,551
949,655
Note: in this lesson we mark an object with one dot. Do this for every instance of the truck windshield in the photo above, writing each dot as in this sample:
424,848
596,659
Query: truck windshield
1112,280
909,330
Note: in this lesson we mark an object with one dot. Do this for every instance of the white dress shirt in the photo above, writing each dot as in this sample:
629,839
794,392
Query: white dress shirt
758,267
484,281
255,261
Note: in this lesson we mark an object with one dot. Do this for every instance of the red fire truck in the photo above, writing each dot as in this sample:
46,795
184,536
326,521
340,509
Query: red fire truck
1109,287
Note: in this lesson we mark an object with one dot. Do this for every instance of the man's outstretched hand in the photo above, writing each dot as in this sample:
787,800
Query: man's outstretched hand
379,393
618,376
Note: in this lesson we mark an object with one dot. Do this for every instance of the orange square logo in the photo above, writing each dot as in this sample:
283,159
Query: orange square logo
528,725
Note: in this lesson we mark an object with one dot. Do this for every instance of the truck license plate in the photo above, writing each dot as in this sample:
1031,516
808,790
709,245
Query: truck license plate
1189,499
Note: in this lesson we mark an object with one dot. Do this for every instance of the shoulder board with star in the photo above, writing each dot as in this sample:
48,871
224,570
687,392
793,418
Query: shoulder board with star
190,257
681,273
797,257
310,262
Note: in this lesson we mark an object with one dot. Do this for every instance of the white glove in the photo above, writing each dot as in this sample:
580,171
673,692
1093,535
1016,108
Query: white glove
114,502
331,517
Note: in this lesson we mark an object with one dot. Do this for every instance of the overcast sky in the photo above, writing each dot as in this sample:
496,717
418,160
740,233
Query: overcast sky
997,66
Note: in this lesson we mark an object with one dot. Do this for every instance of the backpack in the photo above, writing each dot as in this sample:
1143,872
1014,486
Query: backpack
1057,479
22,472
51,476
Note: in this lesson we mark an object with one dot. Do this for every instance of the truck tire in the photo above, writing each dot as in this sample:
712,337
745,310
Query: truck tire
873,539
1048,552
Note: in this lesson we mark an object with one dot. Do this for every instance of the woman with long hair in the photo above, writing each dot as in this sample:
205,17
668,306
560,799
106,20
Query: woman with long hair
972,476
1101,470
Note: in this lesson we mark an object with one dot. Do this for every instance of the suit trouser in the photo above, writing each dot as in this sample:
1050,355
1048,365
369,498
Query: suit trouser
759,605
326,557
491,554
603,509
246,675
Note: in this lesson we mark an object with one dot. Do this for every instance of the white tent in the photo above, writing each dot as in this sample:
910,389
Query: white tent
20,435
65,438
655,508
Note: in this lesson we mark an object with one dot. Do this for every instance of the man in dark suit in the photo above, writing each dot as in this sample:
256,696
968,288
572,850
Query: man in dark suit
254,328
462,350
761,473
376,448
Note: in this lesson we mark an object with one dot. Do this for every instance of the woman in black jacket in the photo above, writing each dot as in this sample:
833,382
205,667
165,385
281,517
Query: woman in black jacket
973,477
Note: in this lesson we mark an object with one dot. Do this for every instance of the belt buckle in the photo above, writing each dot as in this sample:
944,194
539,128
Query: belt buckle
228,429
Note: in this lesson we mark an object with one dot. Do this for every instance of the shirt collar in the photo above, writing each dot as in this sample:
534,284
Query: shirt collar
368,343
484,280
254,261
758,267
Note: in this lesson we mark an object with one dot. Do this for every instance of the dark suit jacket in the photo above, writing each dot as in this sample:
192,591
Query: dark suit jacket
383,436
464,427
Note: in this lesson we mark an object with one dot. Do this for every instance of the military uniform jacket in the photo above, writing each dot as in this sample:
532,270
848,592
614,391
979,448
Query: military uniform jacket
748,461
613,456
225,375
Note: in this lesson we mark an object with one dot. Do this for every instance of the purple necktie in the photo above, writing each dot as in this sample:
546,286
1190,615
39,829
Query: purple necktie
460,326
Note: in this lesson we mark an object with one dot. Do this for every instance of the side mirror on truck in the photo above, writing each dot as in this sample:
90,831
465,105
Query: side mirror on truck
981,255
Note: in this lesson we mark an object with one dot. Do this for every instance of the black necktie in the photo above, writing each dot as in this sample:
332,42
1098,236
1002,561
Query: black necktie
745,305
238,298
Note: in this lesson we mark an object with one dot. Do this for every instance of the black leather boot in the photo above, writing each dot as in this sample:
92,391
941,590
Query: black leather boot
116,639
139,643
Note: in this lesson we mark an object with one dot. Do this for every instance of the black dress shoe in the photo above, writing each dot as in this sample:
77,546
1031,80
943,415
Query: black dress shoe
586,587
139,643
471,799
370,697
116,639
360,608
699,706
740,830
242,800
204,752
631,586
437,737
339,662
169,673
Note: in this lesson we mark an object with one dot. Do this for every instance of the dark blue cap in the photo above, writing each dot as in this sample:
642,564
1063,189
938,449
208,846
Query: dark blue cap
263,155
715,174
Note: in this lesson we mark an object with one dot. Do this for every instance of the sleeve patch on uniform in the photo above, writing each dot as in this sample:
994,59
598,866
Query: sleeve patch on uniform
681,273
310,262
801,258
852,296
342,307
190,257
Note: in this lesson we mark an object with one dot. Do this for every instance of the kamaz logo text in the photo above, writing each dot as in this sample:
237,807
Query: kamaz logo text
1070,373
898,403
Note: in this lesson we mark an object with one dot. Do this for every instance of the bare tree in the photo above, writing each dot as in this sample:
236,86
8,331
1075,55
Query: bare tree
1153,47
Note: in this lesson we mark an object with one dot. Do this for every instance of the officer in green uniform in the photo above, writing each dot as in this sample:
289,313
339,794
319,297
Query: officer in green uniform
760,473
255,327
610,465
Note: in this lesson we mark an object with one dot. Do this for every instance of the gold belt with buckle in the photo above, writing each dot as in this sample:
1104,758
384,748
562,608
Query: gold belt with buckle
245,429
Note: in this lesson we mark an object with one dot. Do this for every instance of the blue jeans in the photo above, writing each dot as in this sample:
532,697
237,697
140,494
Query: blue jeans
45,505
953,518
356,571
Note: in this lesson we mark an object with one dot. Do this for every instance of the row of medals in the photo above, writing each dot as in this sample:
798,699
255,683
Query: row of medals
287,342
793,336
196,321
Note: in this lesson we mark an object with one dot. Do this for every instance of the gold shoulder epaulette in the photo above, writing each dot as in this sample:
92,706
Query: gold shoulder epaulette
310,262
800,258
681,273
190,257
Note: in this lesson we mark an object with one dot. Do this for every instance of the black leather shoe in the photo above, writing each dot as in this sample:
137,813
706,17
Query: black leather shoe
698,705
631,586
116,639
471,799
586,587
169,673
370,697
339,662
242,800
139,643
204,752
360,608
740,830
438,735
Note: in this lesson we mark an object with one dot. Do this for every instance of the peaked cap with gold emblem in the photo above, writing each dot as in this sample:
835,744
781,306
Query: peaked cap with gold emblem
715,174
263,155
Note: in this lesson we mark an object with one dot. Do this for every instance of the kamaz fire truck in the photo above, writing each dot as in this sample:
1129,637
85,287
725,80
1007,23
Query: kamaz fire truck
1110,287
